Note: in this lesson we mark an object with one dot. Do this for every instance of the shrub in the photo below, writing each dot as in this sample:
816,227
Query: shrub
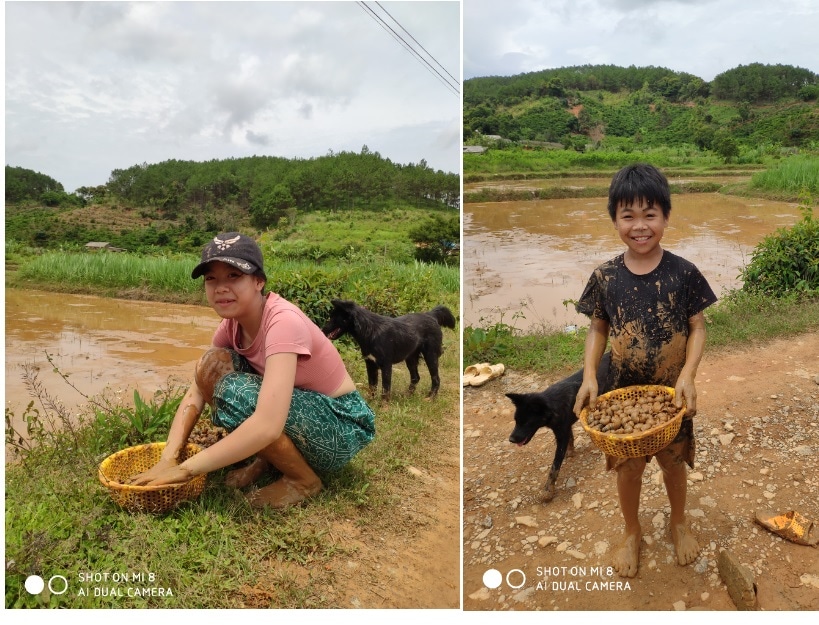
786,261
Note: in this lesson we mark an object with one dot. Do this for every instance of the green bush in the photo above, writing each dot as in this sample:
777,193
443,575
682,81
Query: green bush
786,261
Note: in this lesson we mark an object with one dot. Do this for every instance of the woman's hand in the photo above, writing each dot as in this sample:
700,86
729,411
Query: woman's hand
166,471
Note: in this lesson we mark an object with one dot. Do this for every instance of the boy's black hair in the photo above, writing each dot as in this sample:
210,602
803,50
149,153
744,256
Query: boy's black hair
639,182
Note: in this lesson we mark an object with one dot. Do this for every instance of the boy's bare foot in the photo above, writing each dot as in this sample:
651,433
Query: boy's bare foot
239,478
685,545
627,557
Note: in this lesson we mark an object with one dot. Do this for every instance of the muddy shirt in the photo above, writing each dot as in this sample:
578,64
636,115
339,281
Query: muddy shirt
647,316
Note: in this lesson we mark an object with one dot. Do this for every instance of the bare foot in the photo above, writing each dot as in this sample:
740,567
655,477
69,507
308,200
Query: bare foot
239,478
627,557
685,545
282,493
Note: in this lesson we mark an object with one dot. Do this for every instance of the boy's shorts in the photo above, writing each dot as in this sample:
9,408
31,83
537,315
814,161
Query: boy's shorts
680,449
327,431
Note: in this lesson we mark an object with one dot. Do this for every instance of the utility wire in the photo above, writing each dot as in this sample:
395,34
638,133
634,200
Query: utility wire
454,80
452,84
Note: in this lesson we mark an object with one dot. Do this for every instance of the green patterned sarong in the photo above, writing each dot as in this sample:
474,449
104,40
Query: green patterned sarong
327,431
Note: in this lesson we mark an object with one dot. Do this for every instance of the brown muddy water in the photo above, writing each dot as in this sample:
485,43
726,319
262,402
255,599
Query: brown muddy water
101,344
522,260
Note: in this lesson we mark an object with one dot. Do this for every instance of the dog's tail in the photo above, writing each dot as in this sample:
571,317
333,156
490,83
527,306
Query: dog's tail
443,316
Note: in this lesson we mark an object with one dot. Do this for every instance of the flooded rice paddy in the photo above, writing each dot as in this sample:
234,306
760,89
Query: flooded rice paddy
99,343
522,260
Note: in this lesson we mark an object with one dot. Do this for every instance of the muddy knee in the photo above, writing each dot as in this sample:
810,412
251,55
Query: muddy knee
212,366
630,468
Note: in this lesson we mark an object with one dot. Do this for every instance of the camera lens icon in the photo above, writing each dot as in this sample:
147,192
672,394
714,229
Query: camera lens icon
57,584
493,578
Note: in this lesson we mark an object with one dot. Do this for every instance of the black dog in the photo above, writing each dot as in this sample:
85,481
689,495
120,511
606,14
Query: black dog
553,408
385,341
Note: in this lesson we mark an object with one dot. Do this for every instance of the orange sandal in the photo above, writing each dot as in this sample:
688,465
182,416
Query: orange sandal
789,525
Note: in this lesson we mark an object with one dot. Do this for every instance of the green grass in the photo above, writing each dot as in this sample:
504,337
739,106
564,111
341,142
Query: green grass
514,161
385,286
739,319
799,174
323,235
215,552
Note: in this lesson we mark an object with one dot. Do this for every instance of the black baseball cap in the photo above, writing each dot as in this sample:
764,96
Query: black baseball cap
235,249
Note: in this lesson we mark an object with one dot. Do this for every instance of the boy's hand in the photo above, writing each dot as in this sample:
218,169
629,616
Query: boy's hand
685,392
586,394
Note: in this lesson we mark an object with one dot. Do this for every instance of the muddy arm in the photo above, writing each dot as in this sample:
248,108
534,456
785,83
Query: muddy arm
596,341
183,421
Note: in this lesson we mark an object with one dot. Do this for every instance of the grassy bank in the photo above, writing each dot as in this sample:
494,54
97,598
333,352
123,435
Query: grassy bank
513,160
774,177
386,286
738,320
557,192
215,552
797,175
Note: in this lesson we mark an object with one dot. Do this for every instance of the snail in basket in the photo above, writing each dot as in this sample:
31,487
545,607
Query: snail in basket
632,415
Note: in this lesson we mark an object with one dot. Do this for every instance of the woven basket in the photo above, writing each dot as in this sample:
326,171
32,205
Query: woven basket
118,467
634,445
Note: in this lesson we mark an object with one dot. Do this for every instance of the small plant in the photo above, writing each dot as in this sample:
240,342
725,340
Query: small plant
149,422
490,343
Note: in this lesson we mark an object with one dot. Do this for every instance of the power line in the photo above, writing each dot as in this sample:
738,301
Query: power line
454,80
451,83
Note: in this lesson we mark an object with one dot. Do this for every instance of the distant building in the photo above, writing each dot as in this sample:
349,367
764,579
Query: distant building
474,149
102,245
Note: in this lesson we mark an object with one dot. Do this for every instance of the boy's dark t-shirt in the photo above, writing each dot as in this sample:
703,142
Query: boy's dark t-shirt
647,316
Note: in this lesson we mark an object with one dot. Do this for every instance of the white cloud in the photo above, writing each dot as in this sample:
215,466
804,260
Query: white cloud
125,83
701,37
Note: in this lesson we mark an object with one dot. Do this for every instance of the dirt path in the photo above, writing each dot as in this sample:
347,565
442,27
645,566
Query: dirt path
417,566
757,433
411,559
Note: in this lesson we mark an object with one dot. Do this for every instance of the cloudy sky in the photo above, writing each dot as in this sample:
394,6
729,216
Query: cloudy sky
97,86
701,37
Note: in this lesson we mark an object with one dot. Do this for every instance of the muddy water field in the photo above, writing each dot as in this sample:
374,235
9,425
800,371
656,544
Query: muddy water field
523,260
101,344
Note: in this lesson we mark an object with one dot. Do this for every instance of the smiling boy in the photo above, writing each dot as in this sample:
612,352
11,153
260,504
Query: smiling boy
648,303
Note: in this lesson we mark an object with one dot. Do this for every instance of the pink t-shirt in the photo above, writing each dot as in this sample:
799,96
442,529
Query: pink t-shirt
286,329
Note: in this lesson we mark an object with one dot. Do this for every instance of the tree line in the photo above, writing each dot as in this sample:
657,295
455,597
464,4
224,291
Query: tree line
266,187
652,106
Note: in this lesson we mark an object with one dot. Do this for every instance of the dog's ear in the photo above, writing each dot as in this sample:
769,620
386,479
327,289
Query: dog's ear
517,398
343,304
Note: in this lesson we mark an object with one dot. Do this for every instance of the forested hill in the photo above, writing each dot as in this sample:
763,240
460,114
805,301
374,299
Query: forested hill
650,105
263,186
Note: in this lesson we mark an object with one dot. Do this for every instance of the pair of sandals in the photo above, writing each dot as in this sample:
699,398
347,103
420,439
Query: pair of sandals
480,374
789,525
